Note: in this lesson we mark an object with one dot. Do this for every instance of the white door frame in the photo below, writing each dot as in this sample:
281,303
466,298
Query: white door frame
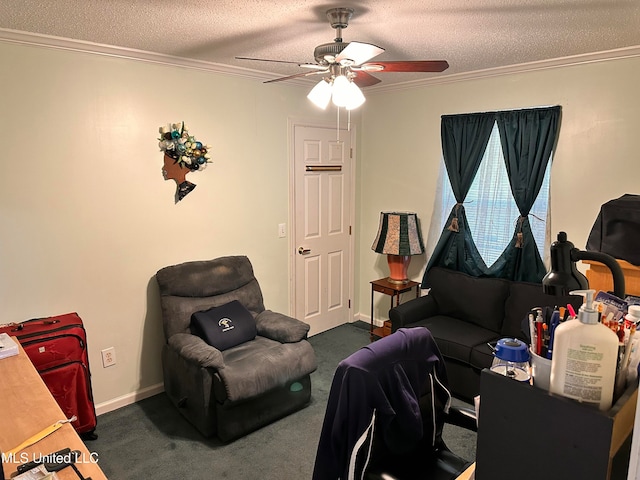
292,123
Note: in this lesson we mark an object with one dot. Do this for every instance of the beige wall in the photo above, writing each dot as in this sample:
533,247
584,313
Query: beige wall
596,158
86,218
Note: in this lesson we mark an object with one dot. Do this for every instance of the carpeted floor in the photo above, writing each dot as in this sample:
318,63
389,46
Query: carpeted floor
150,439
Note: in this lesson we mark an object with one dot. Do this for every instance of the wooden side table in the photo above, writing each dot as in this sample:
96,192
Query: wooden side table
394,290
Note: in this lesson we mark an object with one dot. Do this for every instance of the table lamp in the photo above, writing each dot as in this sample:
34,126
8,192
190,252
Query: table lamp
398,237
564,277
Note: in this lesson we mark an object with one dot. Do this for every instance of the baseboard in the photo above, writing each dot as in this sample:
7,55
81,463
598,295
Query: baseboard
367,319
129,399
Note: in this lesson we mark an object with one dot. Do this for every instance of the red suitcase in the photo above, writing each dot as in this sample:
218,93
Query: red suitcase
57,347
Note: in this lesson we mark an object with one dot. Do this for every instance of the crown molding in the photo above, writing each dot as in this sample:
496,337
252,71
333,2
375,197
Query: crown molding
61,43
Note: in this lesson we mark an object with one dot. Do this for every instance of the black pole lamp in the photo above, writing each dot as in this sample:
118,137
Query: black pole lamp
564,277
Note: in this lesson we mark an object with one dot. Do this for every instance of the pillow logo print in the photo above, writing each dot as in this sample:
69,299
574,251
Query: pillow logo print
226,324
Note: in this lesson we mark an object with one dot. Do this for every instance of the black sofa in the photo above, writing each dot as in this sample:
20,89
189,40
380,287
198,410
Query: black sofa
465,314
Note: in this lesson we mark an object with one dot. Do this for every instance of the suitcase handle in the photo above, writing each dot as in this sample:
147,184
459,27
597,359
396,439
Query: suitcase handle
20,326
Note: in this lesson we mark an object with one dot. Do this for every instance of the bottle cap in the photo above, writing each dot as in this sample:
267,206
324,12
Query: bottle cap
634,312
512,350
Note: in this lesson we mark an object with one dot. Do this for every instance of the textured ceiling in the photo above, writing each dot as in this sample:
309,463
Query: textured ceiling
471,35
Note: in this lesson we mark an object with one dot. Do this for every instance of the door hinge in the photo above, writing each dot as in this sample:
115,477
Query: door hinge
349,229
349,303
350,152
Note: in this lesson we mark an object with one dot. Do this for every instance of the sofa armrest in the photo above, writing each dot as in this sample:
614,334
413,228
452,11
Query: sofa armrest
412,311
196,350
280,327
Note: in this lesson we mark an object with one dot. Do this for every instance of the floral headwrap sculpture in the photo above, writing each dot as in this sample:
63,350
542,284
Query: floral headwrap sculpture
182,154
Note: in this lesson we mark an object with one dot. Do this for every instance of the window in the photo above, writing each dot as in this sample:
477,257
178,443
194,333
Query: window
490,207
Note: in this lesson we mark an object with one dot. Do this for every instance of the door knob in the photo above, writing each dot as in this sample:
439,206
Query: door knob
304,251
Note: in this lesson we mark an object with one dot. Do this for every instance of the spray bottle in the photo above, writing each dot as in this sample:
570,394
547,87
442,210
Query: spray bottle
585,355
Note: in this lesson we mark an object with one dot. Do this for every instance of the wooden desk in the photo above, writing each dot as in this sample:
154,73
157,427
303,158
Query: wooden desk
26,408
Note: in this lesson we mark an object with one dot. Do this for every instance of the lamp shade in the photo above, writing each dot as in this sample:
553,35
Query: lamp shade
341,91
320,95
356,97
564,277
398,234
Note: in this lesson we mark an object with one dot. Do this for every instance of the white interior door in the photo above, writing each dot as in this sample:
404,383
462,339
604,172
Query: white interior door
322,224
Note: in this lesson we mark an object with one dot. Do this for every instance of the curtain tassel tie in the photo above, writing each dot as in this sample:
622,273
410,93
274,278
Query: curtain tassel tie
520,235
519,240
453,226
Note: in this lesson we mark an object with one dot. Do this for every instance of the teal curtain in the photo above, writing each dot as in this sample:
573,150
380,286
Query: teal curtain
464,141
528,137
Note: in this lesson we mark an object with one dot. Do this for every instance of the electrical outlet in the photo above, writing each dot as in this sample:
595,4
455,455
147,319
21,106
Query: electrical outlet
108,357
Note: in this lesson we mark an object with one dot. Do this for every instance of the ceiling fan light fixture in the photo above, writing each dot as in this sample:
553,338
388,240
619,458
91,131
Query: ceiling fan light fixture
341,91
356,97
320,95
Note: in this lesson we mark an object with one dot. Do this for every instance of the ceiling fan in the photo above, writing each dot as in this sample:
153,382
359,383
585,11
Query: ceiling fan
346,66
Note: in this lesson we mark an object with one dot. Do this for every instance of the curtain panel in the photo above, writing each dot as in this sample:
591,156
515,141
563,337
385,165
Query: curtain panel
528,138
464,141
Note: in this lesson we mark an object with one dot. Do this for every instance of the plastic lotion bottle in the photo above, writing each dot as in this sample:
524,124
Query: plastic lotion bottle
632,317
585,355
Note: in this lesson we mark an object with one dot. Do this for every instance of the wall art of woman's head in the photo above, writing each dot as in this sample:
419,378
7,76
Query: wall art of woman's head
183,154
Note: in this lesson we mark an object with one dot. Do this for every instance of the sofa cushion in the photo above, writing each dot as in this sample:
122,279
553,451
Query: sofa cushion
476,300
522,298
261,365
225,326
456,338
482,355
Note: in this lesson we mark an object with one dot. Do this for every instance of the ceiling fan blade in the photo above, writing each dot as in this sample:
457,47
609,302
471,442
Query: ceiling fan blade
407,66
364,79
359,53
307,65
313,66
297,75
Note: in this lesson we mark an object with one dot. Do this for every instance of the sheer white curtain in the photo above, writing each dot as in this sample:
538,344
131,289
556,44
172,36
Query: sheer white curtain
490,207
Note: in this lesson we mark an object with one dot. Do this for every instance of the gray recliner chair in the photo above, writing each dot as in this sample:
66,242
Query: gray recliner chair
233,391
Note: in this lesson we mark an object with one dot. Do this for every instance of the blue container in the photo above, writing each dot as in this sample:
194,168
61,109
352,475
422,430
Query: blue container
512,350
511,359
